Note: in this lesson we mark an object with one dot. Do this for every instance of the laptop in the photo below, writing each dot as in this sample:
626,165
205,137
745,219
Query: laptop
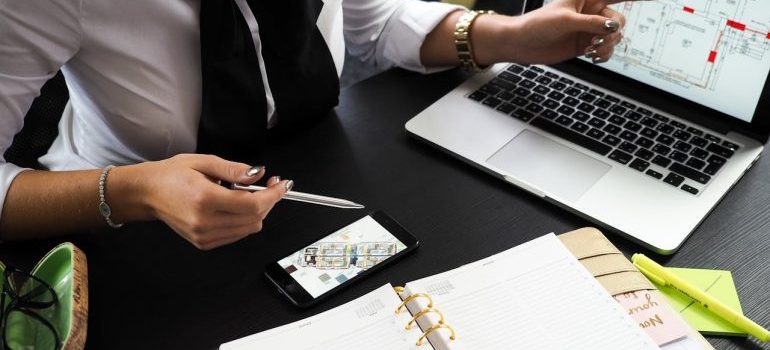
644,145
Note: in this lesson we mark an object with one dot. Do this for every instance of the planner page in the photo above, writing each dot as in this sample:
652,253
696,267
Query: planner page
369,322
534,296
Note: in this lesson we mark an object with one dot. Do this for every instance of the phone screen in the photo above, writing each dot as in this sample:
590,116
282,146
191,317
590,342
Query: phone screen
340,256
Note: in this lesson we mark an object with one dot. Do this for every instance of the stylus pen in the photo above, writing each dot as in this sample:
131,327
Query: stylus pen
305,197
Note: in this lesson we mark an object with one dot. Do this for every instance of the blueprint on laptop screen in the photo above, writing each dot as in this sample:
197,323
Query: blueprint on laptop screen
713,52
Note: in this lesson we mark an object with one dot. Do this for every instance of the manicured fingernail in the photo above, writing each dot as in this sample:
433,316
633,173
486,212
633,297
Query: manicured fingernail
591,53
597,60
255,170
276,179
611,25
597,41
289,185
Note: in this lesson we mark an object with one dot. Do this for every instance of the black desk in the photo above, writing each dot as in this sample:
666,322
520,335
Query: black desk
151,289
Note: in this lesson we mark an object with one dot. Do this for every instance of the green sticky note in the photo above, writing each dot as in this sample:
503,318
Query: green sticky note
716,283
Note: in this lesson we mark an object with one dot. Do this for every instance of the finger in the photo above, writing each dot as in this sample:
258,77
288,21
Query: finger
600,42
273,180
220,243
615,15
226,220
604,53
275,191
226,170
604,56
269,197
217,244
613,39
208,244
212,198
258,203
229,236
220,199
593,23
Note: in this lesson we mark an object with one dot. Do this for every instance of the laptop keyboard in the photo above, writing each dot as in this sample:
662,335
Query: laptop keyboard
681,155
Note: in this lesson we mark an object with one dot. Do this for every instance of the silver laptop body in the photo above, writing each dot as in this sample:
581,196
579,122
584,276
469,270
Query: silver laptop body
613,184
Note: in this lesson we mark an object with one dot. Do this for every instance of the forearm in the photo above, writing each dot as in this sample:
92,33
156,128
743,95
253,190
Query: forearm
438,49
45,203
183,191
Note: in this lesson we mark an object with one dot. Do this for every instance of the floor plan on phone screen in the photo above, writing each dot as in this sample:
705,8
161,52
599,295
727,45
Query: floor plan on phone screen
341,256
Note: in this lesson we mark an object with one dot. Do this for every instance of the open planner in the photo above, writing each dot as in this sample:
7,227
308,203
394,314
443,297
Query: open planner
533,296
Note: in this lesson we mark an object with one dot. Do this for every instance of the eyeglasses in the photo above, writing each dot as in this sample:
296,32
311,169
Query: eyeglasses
21,322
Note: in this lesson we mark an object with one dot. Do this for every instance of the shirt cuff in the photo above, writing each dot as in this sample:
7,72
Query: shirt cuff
8,173
406,31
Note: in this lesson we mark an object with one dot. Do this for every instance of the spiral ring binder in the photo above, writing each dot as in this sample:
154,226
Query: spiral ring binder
412,297
430,309
435,328
423,312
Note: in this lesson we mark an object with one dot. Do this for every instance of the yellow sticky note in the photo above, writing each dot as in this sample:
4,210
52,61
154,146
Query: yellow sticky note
718,284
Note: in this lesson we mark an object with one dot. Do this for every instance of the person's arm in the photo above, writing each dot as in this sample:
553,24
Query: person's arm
387,33
181,191
558,31
36,38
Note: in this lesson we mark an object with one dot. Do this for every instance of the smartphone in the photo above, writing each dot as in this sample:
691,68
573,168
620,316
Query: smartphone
324,267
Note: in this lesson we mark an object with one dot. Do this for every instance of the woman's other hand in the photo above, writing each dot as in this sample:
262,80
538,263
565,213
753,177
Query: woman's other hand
568,28
561,30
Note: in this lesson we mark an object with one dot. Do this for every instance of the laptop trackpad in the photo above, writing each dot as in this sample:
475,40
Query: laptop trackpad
548,166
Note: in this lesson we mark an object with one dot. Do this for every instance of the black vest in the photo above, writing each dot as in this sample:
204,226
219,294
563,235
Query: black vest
300,70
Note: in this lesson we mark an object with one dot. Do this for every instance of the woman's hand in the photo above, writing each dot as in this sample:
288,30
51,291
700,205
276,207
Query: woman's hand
184,192
562,30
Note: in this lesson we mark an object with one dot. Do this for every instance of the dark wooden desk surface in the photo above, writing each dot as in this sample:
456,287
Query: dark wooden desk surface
151,289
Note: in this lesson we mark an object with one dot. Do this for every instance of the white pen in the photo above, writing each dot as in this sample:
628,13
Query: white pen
305,197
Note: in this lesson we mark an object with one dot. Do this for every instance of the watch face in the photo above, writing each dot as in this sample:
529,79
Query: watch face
104,209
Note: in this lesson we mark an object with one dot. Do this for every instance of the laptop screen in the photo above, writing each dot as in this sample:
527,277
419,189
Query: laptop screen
714,53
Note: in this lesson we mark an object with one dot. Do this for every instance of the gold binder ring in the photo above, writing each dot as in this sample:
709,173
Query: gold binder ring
433,329
412,297
422,313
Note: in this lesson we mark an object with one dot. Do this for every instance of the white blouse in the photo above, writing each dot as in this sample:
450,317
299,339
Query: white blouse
133,69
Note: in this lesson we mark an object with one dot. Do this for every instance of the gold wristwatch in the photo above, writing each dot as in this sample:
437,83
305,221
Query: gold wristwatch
462,36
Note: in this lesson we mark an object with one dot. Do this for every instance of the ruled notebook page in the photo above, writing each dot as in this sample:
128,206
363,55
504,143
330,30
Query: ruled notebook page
534,296
369,322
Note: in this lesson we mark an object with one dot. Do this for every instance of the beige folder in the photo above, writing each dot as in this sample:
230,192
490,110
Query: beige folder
612,269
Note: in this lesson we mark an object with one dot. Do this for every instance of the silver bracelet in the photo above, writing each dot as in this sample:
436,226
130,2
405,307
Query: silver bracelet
104,208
